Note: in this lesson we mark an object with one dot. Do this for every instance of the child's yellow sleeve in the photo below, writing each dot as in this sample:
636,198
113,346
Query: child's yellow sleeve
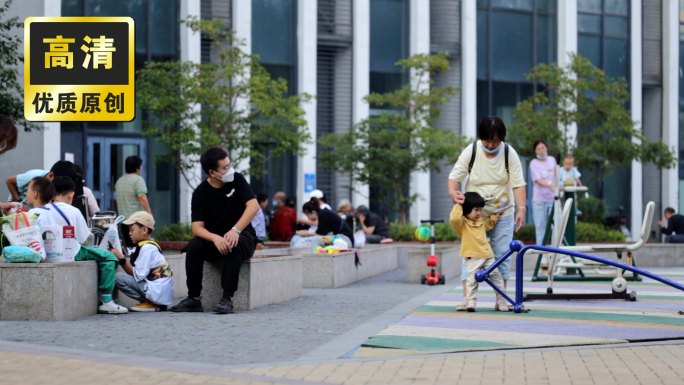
456,218
490,222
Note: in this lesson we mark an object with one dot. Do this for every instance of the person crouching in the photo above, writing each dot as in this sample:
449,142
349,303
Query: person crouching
148,277
468,223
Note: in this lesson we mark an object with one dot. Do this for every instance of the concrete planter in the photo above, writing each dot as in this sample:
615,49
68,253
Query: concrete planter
263,281
48,291
448,263
330,271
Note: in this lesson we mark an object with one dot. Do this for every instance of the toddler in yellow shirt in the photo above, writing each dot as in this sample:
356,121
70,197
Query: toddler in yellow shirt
468,223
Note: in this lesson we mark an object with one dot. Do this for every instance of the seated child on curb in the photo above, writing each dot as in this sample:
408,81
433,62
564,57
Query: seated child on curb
148,277
468,223
63,213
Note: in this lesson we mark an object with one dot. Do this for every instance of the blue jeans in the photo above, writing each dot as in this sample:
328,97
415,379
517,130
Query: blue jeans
500,238
674,238
540,214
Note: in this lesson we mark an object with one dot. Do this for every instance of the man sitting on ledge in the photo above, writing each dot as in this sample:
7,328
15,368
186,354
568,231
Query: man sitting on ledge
675,226
223,207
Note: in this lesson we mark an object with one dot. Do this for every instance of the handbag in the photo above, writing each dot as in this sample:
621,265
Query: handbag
29,236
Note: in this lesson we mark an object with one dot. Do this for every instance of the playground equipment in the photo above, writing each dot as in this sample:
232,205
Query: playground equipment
517,246
567,261
433,277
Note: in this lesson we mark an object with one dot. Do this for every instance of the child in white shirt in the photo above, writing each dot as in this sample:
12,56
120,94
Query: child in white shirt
148,277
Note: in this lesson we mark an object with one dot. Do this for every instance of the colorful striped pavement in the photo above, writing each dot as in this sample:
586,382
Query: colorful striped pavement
436,327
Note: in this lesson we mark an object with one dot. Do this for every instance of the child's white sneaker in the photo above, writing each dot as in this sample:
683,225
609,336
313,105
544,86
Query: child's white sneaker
463,305
111,307
501,305
471,306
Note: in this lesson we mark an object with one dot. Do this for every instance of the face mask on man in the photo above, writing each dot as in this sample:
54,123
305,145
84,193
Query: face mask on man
228,177
275,203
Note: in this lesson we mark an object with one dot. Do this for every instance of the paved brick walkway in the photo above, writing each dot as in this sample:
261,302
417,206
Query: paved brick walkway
275,333
651,365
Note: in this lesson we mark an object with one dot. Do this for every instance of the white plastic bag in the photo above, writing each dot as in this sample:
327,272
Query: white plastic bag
60,246
27,236
112,236
359,239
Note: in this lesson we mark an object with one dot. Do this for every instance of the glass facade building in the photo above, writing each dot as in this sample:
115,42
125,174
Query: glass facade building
342,50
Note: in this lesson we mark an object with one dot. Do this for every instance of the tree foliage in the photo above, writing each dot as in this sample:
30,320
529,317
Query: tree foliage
11,91
243,109
582,94
385,149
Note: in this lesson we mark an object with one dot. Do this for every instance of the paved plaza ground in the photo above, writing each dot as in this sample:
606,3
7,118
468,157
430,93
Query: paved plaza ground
378,331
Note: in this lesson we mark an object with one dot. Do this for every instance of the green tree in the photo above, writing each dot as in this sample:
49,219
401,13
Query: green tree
385,149
11,91
243,109
582,94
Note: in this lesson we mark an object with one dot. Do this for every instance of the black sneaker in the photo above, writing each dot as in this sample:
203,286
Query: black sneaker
188,305
225,306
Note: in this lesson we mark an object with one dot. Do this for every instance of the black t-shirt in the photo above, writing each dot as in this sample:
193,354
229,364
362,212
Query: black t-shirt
221,208
374,219
330,222
674,225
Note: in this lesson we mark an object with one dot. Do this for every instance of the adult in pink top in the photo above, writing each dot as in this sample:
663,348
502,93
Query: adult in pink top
543,171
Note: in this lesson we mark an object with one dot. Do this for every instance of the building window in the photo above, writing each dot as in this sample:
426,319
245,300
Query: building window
603,35
156,39
513,36
388,44
603,38
389,36
274,37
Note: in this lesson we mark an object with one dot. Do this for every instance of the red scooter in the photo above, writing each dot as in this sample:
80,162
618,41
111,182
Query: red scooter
433,277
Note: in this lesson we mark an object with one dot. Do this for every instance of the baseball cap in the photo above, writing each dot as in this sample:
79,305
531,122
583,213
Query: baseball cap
141,217
316,194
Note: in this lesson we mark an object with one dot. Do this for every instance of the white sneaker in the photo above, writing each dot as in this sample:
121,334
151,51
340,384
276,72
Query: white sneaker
111,307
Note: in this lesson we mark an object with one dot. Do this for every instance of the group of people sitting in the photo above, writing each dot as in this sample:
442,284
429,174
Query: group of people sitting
50,195
319,219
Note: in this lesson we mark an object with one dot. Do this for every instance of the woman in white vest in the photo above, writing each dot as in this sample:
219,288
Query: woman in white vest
495,172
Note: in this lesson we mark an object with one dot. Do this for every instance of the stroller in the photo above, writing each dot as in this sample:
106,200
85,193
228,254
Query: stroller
103,221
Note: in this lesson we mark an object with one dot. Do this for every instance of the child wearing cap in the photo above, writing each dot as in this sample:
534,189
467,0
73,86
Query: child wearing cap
148,277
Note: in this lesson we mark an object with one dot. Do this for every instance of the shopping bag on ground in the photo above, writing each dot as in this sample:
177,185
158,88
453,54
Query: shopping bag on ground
111,237
29,235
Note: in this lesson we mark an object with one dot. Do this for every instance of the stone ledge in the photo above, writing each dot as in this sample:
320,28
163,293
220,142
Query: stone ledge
329,271
263,281
48,291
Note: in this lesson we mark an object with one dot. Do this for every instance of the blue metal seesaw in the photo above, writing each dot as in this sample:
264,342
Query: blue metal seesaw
517,246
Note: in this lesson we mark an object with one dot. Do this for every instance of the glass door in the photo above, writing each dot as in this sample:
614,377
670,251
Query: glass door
107,163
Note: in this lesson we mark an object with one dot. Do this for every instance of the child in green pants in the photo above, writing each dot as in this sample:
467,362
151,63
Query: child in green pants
62,213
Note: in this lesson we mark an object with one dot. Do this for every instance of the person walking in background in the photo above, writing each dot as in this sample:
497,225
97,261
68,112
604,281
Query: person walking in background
93,207
131,194
284,219
543,171
675,226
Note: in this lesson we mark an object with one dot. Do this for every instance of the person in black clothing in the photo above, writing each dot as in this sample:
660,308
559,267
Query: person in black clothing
373,226
223,207
675,226
328,222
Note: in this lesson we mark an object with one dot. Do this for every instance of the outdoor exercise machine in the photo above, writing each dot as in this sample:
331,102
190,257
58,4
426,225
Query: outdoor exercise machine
433,277
518,247
619,283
